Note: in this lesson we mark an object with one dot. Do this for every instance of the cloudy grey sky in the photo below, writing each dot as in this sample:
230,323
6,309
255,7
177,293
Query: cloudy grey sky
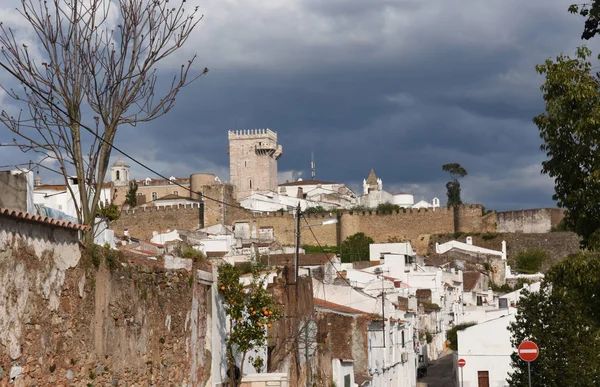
400,86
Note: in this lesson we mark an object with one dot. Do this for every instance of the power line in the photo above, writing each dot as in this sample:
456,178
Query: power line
49,102
329,259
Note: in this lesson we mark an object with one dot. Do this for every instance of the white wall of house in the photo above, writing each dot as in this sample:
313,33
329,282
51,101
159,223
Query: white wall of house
165,237
376,249
342,370
486,347
61,200
271,202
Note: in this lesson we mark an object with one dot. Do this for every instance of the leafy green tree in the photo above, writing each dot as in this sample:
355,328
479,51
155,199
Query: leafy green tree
569,129
251,311
131,196
110,212
530,261
563,320
456,172
356,248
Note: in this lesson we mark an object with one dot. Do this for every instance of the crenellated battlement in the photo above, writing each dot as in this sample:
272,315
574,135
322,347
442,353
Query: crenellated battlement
174,207
252,134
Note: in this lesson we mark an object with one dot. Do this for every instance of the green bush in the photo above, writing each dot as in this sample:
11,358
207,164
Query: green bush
356,248
489,236
452,334
530,261
387,208
192,253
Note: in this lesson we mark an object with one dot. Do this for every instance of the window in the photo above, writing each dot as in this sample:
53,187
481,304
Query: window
154,196
176,193
118,174
479,300
403,343
250,183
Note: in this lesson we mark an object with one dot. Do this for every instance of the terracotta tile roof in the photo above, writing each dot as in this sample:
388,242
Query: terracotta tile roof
470,279
53,187
305,182
175,197
335,307
43,219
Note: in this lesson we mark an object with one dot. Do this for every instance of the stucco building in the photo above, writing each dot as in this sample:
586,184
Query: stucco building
253,156
374,195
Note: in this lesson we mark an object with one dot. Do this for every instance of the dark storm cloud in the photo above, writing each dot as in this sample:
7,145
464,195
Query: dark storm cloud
399,86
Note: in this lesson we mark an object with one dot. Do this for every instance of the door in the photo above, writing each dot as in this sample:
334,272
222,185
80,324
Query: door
483,379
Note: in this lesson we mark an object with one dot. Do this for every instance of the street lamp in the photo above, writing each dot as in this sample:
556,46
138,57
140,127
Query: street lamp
298,229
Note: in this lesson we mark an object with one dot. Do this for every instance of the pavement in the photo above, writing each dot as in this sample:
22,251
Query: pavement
439,372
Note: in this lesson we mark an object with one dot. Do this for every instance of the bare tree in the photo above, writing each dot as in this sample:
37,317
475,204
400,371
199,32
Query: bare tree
93,69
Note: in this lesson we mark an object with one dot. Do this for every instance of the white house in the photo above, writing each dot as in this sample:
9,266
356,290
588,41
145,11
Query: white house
486,348
328,193
58,197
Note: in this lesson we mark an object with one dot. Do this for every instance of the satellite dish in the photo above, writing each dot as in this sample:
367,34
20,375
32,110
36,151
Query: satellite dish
459,265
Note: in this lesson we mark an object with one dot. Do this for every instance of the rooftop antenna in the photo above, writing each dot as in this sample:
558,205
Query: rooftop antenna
312,164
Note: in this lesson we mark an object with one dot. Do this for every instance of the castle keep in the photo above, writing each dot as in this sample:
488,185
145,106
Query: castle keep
253,158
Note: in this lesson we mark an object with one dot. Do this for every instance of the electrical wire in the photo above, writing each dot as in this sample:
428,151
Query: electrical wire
50,103
329,259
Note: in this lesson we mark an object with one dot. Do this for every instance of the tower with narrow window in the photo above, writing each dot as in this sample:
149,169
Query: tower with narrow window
253,156
119,173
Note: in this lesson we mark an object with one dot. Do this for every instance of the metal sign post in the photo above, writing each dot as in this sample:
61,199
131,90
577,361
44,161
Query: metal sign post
528,351
462,363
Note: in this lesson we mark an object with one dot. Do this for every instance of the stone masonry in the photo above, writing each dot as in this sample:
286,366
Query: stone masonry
253,158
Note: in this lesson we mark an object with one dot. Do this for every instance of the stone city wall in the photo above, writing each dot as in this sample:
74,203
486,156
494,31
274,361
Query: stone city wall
538,220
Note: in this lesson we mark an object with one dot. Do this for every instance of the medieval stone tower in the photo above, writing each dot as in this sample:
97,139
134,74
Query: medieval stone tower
253,158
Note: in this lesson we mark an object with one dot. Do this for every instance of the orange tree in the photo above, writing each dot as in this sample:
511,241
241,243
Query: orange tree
251,311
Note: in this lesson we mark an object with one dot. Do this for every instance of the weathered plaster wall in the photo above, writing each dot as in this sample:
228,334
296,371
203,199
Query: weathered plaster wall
13,191
539,220
63,321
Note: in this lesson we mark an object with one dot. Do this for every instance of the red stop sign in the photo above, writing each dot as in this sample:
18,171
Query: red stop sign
462,362
528,351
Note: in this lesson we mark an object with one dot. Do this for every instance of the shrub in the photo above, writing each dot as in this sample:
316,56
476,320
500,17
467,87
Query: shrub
489,236
530,261
192,253
452,334
387,208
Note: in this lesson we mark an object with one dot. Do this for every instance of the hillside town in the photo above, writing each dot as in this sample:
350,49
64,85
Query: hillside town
378,317
153,231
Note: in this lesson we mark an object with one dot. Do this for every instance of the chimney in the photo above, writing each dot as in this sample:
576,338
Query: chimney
470,240
504,250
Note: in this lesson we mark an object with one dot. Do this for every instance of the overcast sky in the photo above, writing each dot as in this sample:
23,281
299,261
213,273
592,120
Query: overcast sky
400,86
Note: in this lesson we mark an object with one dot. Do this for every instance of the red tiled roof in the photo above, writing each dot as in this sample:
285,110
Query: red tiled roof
43,219
175,197
54,187
335,307
470,279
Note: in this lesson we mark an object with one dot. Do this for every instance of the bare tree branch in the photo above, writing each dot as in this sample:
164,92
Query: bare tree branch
84,66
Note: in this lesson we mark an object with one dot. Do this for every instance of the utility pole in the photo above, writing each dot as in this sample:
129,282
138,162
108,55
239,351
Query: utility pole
297,254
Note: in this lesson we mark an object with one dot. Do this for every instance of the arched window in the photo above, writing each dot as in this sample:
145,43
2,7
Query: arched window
118,175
